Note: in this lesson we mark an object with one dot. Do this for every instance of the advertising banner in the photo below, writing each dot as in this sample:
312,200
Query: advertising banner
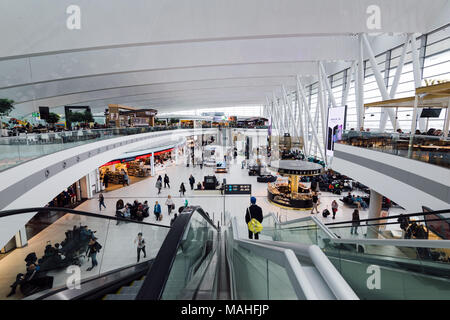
335,128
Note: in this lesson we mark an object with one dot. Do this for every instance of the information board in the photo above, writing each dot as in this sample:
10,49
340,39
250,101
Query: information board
238,189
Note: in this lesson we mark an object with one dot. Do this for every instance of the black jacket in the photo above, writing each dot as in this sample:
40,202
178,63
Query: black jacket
255,213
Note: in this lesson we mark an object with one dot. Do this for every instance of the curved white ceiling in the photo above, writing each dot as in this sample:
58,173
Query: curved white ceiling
173,55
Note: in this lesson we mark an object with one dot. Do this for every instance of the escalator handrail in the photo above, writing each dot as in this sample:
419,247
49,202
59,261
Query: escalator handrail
395,216
8,213
337,284
283,257
420,243
156,279
376,219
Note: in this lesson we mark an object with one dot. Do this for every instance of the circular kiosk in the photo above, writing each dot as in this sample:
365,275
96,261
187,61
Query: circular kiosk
291,194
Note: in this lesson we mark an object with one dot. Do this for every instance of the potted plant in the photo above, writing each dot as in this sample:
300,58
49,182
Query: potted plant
52,119
6,106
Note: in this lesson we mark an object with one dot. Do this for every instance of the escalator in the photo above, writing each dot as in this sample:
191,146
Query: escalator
191,260
181,261
374,267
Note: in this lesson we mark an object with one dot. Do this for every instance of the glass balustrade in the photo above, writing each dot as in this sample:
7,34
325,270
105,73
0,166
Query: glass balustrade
62,252
18,149
399,271
431,149
197,247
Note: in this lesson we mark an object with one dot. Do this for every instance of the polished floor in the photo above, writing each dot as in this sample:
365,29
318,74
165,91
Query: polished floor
118,244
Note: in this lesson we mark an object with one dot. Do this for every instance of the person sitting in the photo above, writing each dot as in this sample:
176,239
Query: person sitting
361,202
199,186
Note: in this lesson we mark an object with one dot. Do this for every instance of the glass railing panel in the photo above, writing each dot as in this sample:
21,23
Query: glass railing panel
62,249
254,276
196,250
18,149
302,232
280,287
431,149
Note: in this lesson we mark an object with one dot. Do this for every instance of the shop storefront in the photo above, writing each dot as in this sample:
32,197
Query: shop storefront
121,172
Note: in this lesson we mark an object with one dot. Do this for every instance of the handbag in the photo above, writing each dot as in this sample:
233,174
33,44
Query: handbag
254,225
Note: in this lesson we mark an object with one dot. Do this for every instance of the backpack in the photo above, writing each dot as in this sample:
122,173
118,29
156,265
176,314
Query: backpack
98,246
325,213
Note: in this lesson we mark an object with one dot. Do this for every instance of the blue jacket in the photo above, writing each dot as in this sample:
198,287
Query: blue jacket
157,208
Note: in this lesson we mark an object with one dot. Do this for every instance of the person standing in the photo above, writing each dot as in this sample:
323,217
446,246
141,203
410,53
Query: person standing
106,180
126,179
101,201
166,181
334,207
192,181
157,211
158,185
140,246
253,212
92,250
170,205
355,222
315,201
182,189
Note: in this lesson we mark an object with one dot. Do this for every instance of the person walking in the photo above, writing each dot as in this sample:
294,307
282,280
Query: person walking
158,185
315,201
192,181
334,207
182,189
170,205
140,246
355,222
92,250
253,212
166,181
101,201
157,211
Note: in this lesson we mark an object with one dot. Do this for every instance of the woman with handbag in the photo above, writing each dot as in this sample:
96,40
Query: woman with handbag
254,218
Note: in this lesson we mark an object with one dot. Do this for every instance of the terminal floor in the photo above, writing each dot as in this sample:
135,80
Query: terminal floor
117,241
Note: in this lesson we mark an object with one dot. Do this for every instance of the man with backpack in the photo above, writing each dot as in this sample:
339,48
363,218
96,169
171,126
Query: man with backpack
92,250
253,219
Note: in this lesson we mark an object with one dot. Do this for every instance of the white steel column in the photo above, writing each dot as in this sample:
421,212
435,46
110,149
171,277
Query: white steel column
324,106
380,81
348,82
301,92
300,123
398,72
417,75
327,84
359,85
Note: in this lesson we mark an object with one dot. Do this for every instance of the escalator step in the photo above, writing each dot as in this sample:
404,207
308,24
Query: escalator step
120,297
137,283
130,290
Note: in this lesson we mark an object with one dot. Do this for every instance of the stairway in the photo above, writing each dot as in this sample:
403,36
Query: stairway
128,292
